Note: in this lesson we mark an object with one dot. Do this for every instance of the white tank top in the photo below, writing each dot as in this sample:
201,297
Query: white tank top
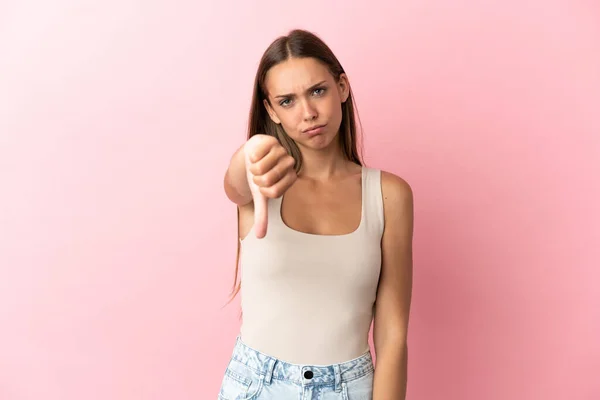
307,298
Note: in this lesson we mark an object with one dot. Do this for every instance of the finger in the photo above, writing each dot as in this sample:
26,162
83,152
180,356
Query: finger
280,187
276,173
260,215
259,146
268,161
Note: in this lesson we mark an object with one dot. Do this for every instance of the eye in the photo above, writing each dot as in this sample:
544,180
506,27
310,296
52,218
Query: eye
284,102
319,91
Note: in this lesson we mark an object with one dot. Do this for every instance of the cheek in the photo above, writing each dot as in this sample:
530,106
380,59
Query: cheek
334,105
291,120
335,112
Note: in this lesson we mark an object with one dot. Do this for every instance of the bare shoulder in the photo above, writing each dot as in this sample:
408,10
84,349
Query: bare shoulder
397,205
396,191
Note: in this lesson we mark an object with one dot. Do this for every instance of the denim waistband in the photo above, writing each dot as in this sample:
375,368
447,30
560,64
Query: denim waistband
306,375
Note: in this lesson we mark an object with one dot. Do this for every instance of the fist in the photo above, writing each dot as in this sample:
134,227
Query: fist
270,173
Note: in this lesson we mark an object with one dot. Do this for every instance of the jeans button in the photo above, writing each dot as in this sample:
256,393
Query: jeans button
308,374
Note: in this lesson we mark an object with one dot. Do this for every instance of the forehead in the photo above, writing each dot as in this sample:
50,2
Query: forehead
295,75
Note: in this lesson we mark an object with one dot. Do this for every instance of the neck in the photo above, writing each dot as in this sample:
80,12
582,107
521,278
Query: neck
323,165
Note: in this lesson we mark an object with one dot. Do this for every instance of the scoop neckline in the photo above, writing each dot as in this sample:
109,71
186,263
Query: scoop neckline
318,235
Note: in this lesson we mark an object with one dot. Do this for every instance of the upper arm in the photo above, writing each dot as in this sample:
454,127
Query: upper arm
394,292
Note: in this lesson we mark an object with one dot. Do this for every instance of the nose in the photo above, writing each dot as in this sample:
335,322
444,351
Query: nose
309,110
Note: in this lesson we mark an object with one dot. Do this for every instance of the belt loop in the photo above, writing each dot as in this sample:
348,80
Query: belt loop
338,378
269,372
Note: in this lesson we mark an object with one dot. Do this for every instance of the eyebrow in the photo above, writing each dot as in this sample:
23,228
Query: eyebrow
308,90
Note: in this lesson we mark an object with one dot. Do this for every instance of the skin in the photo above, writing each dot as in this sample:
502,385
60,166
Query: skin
325,198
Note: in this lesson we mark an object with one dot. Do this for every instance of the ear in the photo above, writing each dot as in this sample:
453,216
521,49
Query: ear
343,87
271,112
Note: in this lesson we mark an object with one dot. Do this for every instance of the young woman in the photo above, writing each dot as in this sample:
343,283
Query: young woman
325,242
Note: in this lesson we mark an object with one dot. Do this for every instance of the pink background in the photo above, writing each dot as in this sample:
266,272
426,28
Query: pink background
117,243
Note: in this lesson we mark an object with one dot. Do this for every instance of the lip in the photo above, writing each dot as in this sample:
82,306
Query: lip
314,130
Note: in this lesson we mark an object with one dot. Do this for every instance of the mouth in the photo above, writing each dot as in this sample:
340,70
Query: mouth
314,130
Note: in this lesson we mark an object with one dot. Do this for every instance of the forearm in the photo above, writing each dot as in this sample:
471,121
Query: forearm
235,181
391,373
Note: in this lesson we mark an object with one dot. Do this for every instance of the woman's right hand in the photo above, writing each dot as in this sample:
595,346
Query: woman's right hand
270,172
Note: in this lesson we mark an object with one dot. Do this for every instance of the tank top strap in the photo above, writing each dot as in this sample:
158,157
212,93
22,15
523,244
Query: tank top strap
373,201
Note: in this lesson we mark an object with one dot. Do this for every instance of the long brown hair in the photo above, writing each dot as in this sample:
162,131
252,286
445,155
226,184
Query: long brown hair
297,43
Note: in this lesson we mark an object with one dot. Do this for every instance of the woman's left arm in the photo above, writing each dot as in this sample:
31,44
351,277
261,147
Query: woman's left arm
394,292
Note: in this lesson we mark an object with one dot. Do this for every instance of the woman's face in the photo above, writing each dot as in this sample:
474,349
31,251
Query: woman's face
303,95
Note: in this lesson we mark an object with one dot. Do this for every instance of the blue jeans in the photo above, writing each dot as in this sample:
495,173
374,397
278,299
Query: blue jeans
252,375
